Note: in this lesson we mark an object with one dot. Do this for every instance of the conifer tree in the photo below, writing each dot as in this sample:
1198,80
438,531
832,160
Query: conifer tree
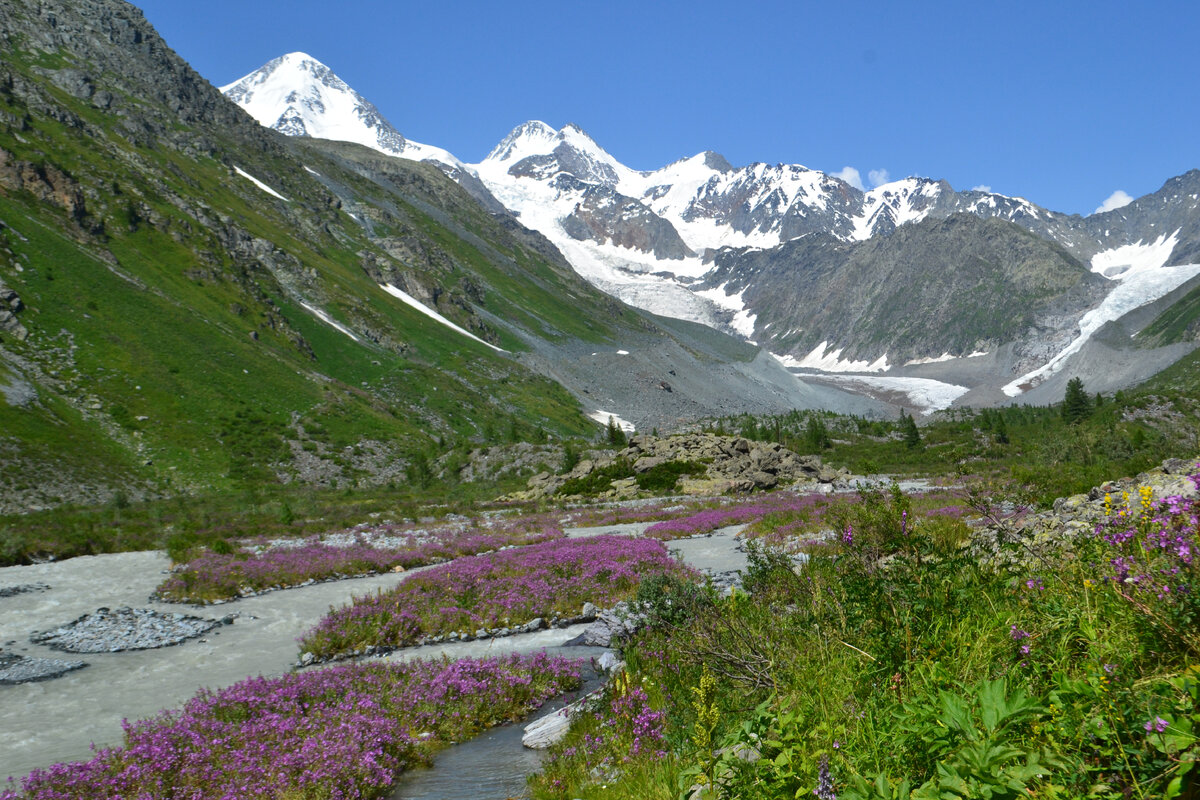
1077,406
1000,428
908,427
616,436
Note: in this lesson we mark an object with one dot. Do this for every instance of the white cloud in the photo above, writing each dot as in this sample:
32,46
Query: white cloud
851,176
878,177
1115,200
983,187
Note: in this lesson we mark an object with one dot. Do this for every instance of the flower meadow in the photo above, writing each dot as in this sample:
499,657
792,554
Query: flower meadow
264,565
339,733
897,666
502,589
711,519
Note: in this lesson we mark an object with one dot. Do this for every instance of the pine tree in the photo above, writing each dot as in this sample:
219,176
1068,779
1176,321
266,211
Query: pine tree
816,435
1076,406
1000,428
908,427
616,436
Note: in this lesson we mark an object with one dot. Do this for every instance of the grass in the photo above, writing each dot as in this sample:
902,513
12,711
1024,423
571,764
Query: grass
895,666
184,522
171,307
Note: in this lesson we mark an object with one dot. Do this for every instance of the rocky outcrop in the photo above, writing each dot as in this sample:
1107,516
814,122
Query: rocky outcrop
10,304
715,464
1014,541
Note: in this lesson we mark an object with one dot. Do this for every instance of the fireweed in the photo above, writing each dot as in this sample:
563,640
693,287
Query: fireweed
260,566
344,732
711,519
502,589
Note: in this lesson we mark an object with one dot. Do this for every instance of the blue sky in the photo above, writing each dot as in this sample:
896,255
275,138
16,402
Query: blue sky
1063,103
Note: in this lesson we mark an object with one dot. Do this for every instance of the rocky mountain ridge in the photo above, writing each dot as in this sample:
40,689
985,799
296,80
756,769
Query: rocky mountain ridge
739,249
193,301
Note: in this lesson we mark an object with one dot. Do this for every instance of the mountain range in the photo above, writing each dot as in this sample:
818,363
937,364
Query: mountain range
828,277
193,302
205,289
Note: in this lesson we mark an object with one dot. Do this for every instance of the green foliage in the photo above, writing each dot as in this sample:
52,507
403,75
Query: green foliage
597,481
664,477
1076,405
816,434
614,435
570,457
893,667
909,432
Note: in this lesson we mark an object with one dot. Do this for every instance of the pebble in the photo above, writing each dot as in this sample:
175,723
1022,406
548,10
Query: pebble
16,669
107,631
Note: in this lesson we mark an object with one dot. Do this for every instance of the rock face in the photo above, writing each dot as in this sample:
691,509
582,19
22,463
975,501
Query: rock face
720,464
612,626
10,304
959,285
1055,531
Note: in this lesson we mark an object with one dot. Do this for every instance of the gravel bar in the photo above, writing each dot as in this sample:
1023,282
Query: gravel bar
126,628
16,669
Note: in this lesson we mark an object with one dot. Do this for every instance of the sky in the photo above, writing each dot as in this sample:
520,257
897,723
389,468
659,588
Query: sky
1071,105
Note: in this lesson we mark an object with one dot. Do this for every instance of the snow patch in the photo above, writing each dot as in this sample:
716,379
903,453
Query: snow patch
603,416
429,312
1122,262
924,393
1134,290
328,320
259,184
937,360
826,360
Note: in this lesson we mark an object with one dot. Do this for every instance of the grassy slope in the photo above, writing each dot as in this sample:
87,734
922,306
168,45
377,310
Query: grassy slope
173,342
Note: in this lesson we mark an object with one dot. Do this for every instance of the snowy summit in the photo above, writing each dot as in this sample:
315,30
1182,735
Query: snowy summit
298,95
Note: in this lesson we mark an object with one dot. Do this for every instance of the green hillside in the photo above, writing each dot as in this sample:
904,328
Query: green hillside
172,333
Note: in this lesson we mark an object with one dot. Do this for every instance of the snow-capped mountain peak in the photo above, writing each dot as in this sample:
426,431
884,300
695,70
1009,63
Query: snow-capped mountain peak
298,95
527,139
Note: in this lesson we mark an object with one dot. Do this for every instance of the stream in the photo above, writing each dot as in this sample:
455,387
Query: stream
58,720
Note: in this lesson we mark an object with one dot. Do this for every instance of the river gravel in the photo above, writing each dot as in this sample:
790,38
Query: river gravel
108,631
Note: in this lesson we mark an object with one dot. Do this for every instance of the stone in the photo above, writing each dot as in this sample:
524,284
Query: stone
762,480
107,631
608,662
547,731
612,626
550,729
647,463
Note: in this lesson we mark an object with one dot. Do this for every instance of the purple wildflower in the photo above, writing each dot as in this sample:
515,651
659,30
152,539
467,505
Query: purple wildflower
1156,725
824,790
